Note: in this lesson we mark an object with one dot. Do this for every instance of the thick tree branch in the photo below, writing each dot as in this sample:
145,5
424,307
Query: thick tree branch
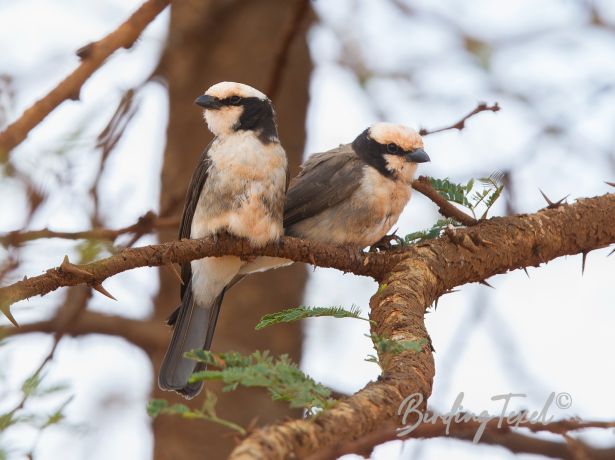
146,334
68,274
397,313
493,246
92,56
427,271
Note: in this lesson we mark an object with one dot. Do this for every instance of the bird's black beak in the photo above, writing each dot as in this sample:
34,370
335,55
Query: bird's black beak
208,102
418,156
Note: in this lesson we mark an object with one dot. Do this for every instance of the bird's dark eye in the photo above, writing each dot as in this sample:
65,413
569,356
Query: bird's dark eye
392,148
235,100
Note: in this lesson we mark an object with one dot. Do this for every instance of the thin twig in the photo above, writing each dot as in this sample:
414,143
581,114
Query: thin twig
92,57
76,302
106,142
447,209
504,436
459,125
151,335
146,224
8,265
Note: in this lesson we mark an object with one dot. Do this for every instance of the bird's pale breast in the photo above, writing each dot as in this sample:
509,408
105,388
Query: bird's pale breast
244,191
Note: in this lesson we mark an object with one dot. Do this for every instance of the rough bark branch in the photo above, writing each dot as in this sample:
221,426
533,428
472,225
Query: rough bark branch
68,274
493,246
146,334
92,57
426,272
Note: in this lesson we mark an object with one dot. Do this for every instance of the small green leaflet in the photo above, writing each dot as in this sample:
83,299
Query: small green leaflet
207,411
298,313
451,191
434,232
463,195
282,378
491,190
387,346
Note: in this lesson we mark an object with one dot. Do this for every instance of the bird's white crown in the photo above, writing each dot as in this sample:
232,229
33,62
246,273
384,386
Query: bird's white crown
405,137
226,89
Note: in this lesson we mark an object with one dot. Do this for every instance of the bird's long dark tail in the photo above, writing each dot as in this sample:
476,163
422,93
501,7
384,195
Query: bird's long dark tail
194,327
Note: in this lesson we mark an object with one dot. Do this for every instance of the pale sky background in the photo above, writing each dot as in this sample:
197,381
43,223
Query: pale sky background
550,333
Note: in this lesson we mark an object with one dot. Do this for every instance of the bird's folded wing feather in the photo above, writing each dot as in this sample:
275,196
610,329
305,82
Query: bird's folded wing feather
325,180
192,198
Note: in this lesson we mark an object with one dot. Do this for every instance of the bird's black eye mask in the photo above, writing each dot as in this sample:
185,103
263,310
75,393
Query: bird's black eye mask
257,115
373,153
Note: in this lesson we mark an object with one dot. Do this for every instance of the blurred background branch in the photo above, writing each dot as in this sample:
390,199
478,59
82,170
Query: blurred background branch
92,56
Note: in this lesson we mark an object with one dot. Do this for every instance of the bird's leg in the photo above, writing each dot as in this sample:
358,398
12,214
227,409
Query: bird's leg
386,241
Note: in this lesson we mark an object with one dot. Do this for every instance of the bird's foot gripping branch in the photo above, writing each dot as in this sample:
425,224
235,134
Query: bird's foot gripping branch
411,277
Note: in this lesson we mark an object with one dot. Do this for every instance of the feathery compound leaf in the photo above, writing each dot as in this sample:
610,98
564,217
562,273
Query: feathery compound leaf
451,191
490,201
282,378
57,416
467,196
494,179
207,411
158,407
434,232
29,412
493,189
295,314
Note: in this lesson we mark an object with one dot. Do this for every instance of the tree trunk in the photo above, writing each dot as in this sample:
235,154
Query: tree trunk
212,41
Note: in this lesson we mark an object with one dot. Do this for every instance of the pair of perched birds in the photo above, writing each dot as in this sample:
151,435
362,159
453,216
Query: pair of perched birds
351,195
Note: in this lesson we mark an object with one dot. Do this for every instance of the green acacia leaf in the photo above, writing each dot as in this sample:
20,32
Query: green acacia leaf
298,313
280,376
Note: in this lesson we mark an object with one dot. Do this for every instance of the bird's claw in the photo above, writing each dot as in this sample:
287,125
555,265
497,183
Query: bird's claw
386,242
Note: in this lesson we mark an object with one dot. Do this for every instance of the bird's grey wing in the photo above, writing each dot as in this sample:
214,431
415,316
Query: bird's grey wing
192,326
325,180
192,198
